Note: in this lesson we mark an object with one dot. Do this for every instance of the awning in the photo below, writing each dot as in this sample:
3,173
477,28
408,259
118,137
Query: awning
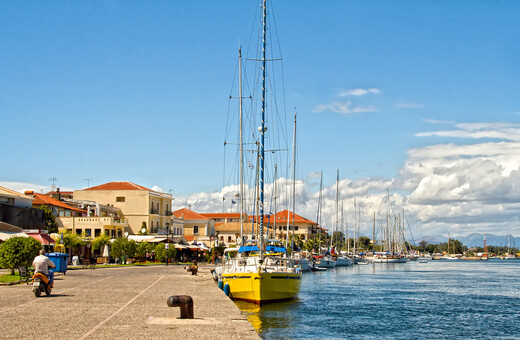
4,235
147,238
180,246
193,247
42,238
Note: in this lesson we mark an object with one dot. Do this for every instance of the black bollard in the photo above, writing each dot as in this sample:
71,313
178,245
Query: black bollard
185,302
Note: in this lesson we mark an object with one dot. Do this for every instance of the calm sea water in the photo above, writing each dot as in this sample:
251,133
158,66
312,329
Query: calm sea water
434,300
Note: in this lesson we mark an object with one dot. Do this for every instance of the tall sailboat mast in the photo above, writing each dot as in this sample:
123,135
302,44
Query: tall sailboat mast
241,146
293,188
337,206
262,131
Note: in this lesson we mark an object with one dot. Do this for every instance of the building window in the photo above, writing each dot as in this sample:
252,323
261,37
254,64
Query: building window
296,227
120,199
97,232
195,229
229,239
88,232
78,231
113,233
61,213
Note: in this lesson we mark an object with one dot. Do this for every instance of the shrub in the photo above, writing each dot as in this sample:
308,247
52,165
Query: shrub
122,247
18,251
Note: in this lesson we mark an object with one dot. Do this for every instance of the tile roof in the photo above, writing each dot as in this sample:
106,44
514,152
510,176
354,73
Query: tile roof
41,199
42,238
9,192
281,216
61,192
188,214
126,185
222,215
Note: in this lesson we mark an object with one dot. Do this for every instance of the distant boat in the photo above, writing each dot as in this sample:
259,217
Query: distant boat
315,268
387,258
302,261
326,261
343,261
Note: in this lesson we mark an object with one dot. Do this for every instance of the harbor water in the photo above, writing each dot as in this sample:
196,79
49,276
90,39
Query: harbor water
434,300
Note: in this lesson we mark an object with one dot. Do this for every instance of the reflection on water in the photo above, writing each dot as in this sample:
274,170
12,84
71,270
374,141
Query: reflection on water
438,299
271,315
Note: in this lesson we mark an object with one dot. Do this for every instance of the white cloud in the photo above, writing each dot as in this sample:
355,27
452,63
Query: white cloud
442,188
357,92
343,108
21,187
506,131
156,188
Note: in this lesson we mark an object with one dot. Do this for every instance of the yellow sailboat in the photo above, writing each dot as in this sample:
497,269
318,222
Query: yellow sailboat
260,272
249,278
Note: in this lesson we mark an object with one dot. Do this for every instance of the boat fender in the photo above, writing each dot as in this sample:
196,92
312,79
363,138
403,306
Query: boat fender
226,289
221,285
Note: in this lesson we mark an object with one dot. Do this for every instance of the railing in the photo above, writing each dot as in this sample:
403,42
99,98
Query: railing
154,211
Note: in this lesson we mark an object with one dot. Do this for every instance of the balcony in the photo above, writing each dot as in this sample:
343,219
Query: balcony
90,222
154,211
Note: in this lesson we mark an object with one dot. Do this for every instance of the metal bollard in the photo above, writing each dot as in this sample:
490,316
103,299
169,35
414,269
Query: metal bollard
185,302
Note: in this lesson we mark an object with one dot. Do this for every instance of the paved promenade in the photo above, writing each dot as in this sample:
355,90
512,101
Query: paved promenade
122,303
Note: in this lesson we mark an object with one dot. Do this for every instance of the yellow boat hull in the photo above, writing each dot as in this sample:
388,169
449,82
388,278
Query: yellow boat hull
262,288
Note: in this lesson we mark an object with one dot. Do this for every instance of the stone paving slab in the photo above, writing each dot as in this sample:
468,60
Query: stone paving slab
122,303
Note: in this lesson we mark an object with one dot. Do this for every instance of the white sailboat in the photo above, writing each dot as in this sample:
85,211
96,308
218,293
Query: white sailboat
341,260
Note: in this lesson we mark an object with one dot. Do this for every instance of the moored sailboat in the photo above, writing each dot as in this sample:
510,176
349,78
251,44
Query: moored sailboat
261,272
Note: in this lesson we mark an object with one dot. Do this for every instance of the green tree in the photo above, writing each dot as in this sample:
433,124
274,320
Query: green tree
338,240
364,243
143,230
142,249
70,240
160,252
171,251
311,245
298,242
49,219
100,241
123,248
18,251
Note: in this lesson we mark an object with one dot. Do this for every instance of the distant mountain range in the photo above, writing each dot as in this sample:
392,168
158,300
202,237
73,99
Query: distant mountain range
471,240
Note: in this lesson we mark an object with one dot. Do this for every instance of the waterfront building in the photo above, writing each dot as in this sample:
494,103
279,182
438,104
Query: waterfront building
140,207
196,225
58,208
228,227
277,225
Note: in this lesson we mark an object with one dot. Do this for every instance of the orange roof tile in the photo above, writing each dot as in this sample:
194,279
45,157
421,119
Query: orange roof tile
41,199
188,214
222,215
61,192
126,185
282,217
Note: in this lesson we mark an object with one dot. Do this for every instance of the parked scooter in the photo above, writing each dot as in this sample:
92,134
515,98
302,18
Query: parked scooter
41,284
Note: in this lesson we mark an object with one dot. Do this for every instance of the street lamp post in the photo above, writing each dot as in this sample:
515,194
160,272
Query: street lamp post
167,241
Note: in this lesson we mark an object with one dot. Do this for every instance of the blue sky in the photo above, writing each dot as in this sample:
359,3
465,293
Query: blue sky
138,90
